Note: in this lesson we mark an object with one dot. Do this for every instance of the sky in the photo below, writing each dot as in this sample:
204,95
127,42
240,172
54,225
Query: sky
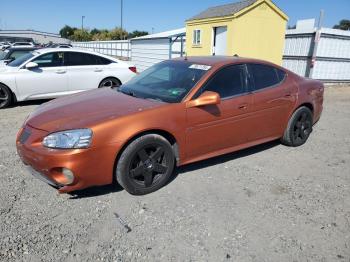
147,15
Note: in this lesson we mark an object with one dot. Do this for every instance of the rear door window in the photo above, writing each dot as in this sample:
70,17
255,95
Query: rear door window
265,76
83,59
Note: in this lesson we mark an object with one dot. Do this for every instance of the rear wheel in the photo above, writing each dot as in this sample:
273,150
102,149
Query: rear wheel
299,127
110,82
5,96
145,165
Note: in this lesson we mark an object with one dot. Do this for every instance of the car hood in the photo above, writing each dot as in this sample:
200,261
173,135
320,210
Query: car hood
6,69
86,109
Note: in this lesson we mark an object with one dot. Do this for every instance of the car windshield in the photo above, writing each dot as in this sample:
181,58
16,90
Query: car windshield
3,54
21,60
169,81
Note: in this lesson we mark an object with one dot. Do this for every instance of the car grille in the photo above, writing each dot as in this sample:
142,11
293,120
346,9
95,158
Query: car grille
24,136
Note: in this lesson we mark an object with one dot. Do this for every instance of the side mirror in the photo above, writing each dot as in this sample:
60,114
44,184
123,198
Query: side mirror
207,98
31,65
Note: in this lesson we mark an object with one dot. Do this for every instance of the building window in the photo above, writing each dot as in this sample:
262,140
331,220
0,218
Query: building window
197,37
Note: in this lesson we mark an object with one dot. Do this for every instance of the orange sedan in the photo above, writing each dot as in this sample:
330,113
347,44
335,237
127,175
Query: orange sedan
176,112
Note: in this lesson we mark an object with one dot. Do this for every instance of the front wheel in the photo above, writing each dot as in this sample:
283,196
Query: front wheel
145,165
5,96
299,128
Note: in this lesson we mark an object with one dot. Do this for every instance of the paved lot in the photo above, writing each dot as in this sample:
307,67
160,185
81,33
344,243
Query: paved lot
269,203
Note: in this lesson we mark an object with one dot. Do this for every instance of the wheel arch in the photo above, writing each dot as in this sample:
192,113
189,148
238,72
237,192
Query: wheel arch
308,105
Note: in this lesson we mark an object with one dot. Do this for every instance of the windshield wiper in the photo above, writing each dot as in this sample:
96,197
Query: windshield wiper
154,99
129,93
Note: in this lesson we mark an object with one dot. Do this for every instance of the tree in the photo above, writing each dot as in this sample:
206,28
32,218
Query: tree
67,31
118,34
81,35
343,25
101,36
95,31
137,33
95,34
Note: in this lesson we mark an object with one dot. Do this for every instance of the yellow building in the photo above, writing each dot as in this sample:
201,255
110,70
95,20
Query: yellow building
251,28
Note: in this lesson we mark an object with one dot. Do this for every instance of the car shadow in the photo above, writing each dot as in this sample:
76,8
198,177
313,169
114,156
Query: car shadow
96,191
223,159
114,188
30,103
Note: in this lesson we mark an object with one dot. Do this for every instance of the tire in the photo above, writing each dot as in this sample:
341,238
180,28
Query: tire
110,82
145,165
5,96
299,128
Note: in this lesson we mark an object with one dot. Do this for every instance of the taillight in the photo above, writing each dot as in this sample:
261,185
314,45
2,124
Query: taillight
133,69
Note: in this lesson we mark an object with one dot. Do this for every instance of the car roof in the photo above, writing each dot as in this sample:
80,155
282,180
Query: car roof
48,50
220,60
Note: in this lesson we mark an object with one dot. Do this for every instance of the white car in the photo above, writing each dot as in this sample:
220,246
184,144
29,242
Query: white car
22,44
51,73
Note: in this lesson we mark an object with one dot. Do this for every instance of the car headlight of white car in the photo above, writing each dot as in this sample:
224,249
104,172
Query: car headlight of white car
70,139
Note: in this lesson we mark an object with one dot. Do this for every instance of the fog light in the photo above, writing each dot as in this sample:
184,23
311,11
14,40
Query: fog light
68,175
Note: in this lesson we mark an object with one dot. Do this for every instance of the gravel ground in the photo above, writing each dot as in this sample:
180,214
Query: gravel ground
268,203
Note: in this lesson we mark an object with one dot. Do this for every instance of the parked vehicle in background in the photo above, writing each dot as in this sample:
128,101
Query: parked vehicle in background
53,45
50,73
174,113
4,45
61,46
13,53
21,44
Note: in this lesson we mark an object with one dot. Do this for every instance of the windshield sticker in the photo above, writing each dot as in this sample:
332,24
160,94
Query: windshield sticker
200,67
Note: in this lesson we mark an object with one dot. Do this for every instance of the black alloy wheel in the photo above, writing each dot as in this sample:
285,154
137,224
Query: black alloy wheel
302,128
148,165
299,127
145,165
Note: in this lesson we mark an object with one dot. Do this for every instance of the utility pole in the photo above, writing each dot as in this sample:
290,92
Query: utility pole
121,14
320,19
316,43
82,22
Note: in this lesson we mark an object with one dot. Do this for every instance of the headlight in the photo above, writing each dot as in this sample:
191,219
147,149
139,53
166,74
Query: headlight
71,139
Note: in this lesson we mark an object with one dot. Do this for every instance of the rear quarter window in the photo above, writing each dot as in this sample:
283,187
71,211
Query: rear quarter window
103,61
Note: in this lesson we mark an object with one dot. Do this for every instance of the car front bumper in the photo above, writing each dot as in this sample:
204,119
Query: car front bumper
91,167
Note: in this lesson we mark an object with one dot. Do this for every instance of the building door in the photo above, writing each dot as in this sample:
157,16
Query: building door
220,40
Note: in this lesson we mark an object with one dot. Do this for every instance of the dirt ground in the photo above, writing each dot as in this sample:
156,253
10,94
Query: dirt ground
268,203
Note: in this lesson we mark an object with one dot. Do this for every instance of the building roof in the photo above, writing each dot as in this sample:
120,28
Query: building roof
34,32
223,10
166,34
217,60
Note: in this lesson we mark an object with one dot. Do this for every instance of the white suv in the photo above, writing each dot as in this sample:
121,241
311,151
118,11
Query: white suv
51,73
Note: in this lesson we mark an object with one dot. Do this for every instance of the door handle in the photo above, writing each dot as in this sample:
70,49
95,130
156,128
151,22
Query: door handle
243,107
60,71
288,95
98,70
